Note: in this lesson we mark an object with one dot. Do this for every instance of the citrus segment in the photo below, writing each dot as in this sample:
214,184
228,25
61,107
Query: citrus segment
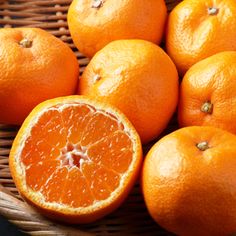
48,128
119,158
73,154
97,180
97,128
38,174
54,186
32,153
81,192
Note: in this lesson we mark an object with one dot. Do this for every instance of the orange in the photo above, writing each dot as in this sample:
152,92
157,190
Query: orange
189,182
199,29
75,159
95,23
139,78
35,66
208,93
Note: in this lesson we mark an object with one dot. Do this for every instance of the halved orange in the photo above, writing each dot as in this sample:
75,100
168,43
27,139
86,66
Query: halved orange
75,159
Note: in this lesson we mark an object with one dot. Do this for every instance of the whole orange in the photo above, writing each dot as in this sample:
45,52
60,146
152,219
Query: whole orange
139,78
35,66
95,23
199,29
208,93
189,182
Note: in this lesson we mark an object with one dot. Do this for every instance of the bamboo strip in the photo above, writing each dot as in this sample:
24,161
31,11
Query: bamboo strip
44,2
34,9
5,142
4,151
7,134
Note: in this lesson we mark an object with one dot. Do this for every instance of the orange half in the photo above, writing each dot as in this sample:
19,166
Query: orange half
75,159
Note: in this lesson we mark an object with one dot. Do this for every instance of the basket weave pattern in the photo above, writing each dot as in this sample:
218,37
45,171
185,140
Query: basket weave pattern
132,217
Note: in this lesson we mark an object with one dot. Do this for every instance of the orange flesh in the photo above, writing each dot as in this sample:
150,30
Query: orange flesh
76,155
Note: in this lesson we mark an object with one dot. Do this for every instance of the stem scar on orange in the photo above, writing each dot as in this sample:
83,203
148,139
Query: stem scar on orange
189,182
208,93
75,159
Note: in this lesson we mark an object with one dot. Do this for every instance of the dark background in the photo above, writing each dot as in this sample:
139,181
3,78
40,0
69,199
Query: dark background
8,229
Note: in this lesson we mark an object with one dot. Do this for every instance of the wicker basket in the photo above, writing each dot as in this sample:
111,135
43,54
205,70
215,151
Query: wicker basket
132,217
